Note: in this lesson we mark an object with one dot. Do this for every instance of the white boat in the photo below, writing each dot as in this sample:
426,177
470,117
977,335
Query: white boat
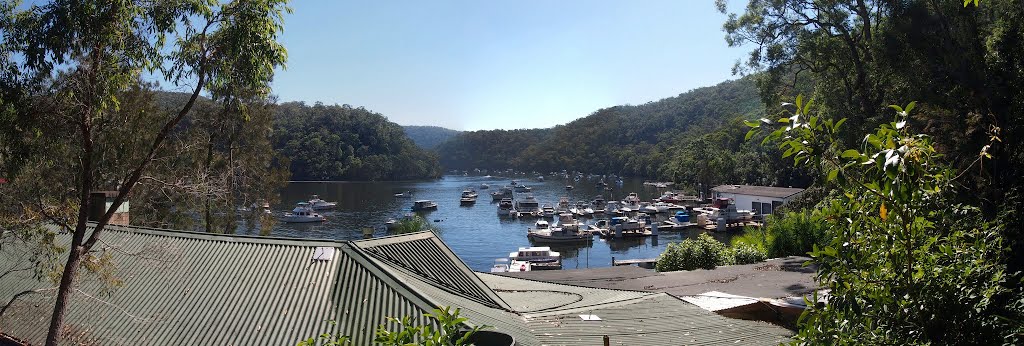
506,208
632,201
484,186
523,188
319,204
648,208
407,194
612,207
302,213
563,205
548,210
540,257
567,231
424,204
598,204
468,197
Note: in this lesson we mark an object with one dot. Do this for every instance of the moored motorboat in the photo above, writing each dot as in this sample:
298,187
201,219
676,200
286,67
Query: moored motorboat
504,192
540,257
567,231
468,197
506,208
319,204
302,213
528,207
424,204
484,186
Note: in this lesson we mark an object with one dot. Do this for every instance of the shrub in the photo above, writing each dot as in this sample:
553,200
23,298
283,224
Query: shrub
411,224
702,253
747,254
794,234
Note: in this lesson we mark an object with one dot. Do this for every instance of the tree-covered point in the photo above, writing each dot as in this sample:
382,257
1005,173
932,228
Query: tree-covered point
344,143
429,137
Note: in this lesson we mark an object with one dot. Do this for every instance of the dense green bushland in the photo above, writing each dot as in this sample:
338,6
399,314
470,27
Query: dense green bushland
344,143
788,234
429,137
695,137
904,265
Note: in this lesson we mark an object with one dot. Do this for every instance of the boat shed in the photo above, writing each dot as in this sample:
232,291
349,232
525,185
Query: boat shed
760,199
165,287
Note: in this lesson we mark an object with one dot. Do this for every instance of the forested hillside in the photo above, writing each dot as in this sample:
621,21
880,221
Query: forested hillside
344,143
429,137
676,138
488,149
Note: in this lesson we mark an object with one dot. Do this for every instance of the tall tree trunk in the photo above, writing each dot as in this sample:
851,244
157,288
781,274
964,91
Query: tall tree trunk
209,161
64,292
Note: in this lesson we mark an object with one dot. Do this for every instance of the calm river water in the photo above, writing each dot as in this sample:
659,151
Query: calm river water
474,232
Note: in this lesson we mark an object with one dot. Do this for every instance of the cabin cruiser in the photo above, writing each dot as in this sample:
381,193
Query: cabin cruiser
548,210
529,205
582,209
407,194
318,204
506,208
632,201
503,193
468,197
567,231
540,257
484,186
612,207
563,205
424,204
598,203
302,213
523,188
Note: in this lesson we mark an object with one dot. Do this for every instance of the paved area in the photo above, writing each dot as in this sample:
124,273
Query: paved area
776,278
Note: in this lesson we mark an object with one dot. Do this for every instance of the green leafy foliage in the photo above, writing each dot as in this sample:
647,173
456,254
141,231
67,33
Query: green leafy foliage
412,224
747,254
448,330
904,265
702,253
429,137
344,143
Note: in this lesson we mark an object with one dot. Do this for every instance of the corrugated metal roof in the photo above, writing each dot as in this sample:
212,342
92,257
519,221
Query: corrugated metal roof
763,191
429,258
184,288
658,319
552,312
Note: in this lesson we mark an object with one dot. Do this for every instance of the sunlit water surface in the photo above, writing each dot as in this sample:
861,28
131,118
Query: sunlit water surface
475,232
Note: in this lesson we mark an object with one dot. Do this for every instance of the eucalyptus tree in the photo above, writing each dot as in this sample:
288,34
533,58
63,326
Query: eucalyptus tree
81,57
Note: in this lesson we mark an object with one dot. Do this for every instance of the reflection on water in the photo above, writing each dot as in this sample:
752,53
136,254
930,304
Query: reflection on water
474,232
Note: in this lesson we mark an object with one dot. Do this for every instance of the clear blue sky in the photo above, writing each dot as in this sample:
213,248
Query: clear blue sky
487,64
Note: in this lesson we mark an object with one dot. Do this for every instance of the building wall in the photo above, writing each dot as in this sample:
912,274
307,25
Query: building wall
745,202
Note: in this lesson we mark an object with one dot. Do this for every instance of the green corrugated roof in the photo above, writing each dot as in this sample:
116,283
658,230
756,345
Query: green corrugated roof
185,288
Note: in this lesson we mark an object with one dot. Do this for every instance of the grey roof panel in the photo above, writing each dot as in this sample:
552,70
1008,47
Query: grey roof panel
763,191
